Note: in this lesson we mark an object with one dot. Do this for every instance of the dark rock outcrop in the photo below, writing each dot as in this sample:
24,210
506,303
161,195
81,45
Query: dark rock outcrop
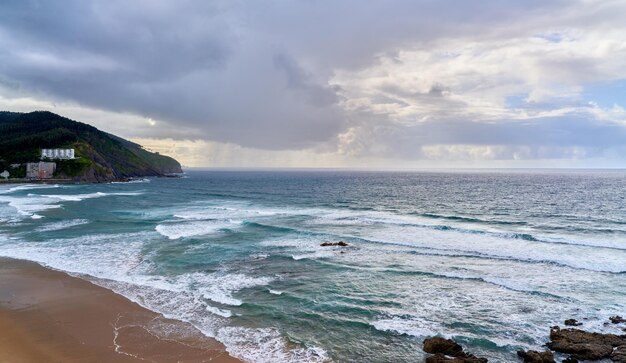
533,356
444,346
440,358
570,360
583,345
447,350
619,354
572,322
331,244
617,319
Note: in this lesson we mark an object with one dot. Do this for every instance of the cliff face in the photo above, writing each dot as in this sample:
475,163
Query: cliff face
100,156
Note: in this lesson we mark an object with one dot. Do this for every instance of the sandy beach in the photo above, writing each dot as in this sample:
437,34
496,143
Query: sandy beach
49,316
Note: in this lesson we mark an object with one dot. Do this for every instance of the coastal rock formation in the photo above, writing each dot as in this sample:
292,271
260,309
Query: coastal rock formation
617,319
533,356
440,358
570,360
447,350
572,322
330,244
444,346
619,354
583,345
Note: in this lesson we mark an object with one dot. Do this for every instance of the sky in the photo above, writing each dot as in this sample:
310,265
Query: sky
376,84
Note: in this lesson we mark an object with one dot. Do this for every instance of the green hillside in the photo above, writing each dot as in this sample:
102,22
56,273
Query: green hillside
99,156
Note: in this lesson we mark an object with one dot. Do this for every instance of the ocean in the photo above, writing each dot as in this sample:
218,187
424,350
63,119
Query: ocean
489,258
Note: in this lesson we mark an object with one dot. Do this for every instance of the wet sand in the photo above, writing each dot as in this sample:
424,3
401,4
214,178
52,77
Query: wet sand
49,316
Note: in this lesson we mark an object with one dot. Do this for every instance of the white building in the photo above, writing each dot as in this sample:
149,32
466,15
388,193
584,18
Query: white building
57,153
40,170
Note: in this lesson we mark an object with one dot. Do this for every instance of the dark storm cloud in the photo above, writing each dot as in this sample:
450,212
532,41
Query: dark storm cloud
258,74
185,63
138,43
176,60
298,79
350,33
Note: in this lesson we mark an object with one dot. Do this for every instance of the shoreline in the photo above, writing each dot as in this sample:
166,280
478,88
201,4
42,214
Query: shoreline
37,181
81,182
49,316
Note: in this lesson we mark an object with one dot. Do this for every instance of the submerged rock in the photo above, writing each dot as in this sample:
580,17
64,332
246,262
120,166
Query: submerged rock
583,345
570,360
572,322
447,350
532,356
617,319
329,244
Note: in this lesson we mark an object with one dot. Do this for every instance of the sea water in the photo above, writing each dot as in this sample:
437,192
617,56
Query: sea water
491,259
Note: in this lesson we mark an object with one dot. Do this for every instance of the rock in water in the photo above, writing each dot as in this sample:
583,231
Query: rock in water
532,356
584,345
572,322
570,360
444,346
440,358
330,244
617,319
447,350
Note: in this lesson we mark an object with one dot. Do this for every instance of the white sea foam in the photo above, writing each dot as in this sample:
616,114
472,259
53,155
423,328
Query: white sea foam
118,257
299,243
488,246
421,328
599,322
217,311
80,197
29,206
274,292
417,328
176,230
456,243
4,190
300,248
418,232
314,255
266,346
342,218
204,219
61,225
133,181
228,211
222,287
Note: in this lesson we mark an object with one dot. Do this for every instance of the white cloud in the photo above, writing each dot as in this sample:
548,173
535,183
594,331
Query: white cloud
473,79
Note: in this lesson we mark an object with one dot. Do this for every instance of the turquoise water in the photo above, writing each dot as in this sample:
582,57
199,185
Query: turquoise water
492,259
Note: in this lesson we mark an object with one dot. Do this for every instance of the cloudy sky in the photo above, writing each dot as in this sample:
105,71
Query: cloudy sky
328,83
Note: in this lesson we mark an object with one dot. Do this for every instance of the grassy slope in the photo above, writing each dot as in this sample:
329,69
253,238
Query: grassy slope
101,156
